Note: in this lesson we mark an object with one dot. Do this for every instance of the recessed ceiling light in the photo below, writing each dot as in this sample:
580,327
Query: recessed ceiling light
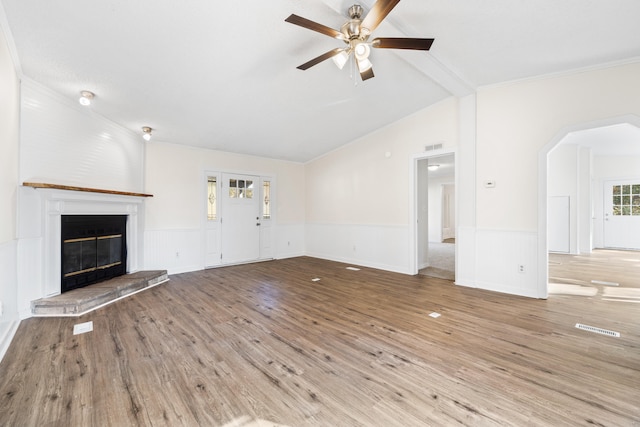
86,97
146,133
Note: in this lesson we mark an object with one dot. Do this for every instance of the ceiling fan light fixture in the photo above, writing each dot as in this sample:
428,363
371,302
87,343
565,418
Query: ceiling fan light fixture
86,97
362,51
146,133
364,65
341,59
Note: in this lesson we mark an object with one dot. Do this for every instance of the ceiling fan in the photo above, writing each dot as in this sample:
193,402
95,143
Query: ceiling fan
355,33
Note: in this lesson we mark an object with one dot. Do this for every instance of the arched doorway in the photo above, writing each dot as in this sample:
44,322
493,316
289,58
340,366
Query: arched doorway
578,234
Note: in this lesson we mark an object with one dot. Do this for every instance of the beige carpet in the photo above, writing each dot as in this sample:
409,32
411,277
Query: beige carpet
442,260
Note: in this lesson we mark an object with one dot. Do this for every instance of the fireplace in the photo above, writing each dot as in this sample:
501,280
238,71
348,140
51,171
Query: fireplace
94,248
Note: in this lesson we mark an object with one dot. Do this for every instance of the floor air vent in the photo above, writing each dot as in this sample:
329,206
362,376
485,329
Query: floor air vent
597,330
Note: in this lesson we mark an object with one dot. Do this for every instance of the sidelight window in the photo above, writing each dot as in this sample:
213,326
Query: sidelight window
212,200
266,199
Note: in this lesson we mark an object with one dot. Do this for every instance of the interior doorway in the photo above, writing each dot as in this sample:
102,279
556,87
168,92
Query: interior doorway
436,217
584,168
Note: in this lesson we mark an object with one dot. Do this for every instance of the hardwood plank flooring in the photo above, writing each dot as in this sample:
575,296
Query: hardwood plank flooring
263,344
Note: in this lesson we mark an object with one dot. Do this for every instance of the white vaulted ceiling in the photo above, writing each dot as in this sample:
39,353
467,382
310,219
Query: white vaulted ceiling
223,75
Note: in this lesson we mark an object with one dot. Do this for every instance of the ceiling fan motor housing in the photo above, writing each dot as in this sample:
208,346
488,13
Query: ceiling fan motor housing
355,11
352,29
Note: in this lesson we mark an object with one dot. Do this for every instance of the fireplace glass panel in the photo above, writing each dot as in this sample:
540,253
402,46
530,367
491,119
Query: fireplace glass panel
79,256
109,251
89,254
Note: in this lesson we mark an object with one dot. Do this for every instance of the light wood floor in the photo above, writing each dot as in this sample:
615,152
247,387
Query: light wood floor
611,274
235,345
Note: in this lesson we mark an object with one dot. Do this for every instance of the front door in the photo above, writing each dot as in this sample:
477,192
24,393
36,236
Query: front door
622,214
240,218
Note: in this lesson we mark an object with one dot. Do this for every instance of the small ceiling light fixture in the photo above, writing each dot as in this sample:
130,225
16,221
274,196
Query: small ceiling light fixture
86,97
433,167
146,133
361,52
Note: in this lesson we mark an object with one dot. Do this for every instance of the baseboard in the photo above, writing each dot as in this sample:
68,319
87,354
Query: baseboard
290,255
359,262
7,332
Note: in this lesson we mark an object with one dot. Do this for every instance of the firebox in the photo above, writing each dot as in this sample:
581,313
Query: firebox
94,248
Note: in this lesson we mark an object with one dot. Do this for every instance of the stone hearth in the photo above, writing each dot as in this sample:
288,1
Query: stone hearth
83,300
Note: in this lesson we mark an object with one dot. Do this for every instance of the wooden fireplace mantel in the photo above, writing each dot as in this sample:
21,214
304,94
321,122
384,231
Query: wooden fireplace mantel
85,189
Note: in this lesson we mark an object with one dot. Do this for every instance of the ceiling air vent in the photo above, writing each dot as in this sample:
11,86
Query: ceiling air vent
433,147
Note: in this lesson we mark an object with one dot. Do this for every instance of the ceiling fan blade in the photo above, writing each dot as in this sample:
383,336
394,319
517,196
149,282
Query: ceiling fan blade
314,26
367,73
378,12
319,59
402,43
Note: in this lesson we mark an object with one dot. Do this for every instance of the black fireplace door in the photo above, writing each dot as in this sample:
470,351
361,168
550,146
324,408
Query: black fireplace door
94,248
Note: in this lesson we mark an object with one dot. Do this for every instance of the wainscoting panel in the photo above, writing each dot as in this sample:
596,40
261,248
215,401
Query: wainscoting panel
290,240
8,294
466,256
379,246
30,274
9,280
506,261
177,251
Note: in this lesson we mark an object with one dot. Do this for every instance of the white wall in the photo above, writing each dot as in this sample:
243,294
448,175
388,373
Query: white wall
9,148
358,197
563,181
422,208
62,142
435,206
585,201
516,120
175,215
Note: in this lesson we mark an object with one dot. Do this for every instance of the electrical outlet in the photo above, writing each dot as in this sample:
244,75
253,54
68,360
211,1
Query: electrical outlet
521,268
177,254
